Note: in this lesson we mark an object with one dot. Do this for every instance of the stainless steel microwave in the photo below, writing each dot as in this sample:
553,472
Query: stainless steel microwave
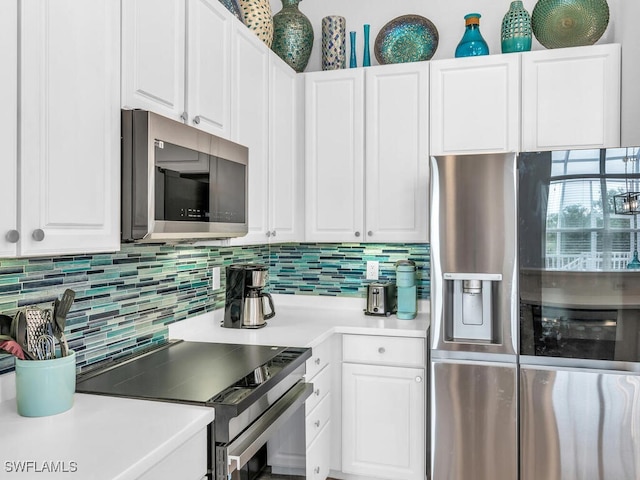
180,183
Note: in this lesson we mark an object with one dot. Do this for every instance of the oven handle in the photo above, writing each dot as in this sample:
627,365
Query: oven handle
243,448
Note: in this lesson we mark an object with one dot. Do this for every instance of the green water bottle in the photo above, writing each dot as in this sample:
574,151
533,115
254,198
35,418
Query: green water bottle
406,288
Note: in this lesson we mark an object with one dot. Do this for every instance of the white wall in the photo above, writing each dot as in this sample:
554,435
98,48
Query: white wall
447,16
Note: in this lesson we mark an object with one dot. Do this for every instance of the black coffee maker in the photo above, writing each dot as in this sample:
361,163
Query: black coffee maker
244,303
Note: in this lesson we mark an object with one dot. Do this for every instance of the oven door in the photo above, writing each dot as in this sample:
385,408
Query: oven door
231,457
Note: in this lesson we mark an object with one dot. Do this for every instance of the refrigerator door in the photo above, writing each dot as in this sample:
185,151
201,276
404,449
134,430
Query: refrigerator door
473,421
474,296
579,424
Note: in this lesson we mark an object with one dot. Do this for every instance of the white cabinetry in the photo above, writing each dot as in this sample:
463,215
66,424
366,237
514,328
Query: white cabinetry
366,154
304,443
475,105
187,462
175,59
69,127
383,407
571,98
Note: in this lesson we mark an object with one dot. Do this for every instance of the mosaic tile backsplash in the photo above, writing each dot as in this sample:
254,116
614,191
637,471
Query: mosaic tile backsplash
125,300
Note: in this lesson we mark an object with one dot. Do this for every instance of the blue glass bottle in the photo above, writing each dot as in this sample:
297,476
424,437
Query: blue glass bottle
352,57
366,58
634,263
472,43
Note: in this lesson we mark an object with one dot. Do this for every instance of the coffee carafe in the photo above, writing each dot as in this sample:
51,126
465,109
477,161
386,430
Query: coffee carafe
245,298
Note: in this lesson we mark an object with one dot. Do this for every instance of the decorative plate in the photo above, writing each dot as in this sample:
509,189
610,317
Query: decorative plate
409,38
569,23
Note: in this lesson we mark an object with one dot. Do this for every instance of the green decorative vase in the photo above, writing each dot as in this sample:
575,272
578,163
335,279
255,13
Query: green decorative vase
516,29
292,35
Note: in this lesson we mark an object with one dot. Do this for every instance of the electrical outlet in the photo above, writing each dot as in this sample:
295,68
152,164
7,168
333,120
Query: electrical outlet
215,278
372,269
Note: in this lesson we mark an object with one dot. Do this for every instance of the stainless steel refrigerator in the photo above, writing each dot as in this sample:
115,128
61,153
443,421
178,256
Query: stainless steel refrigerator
474,304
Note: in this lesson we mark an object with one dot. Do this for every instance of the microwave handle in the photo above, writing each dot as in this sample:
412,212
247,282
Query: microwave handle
242,449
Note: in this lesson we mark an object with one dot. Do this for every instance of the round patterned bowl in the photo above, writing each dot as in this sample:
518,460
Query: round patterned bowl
409,38
569,23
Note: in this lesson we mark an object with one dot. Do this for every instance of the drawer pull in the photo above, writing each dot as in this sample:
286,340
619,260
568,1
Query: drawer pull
318,361
316,470
381,350
317,423
418,379
317,392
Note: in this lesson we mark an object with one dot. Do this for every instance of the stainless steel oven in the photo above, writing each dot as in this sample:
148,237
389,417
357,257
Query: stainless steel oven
253,389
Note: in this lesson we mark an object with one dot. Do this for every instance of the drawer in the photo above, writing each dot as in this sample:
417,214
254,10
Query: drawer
188,461
319,455
320,356
380,350
321,385
316,419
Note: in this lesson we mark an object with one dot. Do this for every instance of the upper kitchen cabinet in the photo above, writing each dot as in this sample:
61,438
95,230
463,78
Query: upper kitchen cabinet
334,156
367,154
571,98
9,127
397,153
176,61
69,127
475,105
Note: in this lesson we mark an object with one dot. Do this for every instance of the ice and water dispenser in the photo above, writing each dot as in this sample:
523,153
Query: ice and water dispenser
471,299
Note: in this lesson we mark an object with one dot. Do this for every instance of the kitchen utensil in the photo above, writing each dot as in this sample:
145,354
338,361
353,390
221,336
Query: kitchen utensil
45,347
37,321
11,346
19,333
61,310
5,324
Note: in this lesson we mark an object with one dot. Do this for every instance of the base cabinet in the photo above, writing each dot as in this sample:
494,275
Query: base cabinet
383,408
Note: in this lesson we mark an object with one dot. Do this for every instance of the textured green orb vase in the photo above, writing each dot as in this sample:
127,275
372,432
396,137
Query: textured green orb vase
292,35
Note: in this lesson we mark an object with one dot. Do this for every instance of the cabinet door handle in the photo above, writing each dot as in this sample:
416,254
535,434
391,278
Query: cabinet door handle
273,234
317,423
38,235
418,379
196,119
184,117
381,350
316,470
370,233
318,361
317,392
268,234
13,236
357,234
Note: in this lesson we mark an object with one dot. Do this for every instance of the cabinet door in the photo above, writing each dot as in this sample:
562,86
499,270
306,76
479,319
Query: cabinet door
153,56
286,161
250,123
383,421
69,126
397,155
571,98
334,156
209,70
475,105
8,124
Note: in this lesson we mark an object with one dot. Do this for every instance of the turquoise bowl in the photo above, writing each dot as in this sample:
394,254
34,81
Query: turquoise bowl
45,387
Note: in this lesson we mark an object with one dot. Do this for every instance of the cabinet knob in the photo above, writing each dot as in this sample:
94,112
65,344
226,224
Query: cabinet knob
316,470
318,361
196,119
370,233
381,350
268,234
418,379
357,234
317,423
273,234
317,392
12,236
184,117
38,235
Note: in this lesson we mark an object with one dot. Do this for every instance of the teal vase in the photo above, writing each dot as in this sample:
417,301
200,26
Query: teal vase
292,35
516,31
634,263
352,57
366,59
472,44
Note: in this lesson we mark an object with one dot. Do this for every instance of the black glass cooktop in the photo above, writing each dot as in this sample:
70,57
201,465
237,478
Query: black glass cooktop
196,372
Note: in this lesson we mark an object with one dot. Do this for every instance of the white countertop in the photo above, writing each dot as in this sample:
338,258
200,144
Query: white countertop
101,438
303,321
